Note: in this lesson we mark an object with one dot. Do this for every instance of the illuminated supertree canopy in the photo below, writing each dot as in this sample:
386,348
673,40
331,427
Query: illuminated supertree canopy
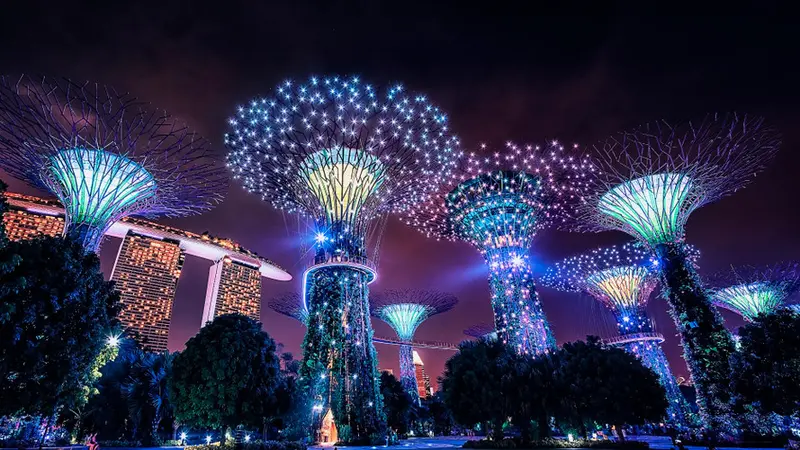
498,203
648,182
750,291
482,330
405,310
343,154
103,154
290,304
623,279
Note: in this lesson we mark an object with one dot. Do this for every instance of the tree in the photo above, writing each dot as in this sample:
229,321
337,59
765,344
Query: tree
607,385
472,385
227,375
145,393
531,382
397,404
57,313
766,369
440,416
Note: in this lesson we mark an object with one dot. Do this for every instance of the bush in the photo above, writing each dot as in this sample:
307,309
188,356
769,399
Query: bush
555,443
258,445
120,444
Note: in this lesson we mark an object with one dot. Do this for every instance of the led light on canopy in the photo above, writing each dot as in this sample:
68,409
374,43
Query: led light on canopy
751,291
97,187
342,180
498,203
652,207
103,154
647,183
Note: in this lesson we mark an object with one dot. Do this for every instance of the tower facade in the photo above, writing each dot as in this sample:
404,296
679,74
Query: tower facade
21,224
423,380
233,287
146,272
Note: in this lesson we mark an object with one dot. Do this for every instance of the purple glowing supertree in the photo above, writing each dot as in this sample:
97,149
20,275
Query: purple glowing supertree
343,154
647,184
622,278
103,154
481,330
750,291
404,311
498,204
290,304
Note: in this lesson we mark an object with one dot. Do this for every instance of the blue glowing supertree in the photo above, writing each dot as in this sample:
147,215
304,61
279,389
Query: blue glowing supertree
103,154
405,310
498,204
623,278
750,291
291,305
343,154
648,182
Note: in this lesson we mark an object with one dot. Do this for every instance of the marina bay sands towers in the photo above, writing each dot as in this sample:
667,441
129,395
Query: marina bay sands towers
148,266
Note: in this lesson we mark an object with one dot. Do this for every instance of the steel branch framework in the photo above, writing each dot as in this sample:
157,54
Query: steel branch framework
648,182
291,305
405,310
344,154
750,291
623,279
482,330
498,204
104,154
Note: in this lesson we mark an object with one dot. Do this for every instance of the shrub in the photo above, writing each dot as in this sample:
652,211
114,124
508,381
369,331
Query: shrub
120,443
555,443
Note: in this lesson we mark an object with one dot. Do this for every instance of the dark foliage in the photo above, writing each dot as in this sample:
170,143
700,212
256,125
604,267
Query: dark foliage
555,443
57,313
226,376
767,367
398,405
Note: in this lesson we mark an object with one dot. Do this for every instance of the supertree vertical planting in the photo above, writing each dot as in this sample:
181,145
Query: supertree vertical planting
750,291
622,278
291,305
343,154
648,183
498,204
404,311
103,154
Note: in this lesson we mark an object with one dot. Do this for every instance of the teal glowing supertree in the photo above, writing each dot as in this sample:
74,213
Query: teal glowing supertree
498,204
622,278
404,311
103,154
344,155
647,184
481,330
750,291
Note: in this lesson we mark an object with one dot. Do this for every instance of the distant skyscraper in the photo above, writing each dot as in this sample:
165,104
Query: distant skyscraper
21,224
423,380
233,287
146,272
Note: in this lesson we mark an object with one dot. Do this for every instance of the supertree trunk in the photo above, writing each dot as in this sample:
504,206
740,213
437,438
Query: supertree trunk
518,314
408,377
652,356
707,345
338,351
88,236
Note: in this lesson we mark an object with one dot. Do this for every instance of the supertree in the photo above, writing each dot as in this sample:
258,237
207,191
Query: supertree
498,203
404,311
481,330
291,305
648,182
750,291
623,278
343,154
103,154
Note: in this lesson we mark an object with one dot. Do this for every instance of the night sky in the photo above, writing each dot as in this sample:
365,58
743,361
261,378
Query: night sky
501,74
